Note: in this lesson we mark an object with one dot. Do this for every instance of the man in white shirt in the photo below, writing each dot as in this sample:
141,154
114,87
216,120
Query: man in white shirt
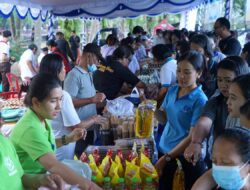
28,64
44,52
5,59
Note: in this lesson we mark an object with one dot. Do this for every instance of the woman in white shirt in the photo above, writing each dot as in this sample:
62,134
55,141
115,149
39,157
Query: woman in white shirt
68,119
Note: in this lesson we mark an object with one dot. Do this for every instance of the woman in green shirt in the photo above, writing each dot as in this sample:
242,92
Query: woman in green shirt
33,138
12,175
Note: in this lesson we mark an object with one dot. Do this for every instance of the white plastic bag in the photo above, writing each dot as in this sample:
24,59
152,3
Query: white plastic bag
120,107
79,167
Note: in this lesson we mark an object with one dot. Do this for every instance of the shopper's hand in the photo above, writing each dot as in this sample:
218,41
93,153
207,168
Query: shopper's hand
77,134
98,98
193,153
160,165
52,181
97,119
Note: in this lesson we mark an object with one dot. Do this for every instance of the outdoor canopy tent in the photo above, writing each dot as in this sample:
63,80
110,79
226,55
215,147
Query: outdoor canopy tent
95,8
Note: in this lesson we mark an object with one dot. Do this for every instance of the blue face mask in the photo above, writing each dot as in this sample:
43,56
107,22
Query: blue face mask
228,177
92,68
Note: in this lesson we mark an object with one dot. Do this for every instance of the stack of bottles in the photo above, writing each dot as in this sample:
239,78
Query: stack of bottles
135,184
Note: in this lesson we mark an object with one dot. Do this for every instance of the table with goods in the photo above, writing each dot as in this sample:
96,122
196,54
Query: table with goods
125,159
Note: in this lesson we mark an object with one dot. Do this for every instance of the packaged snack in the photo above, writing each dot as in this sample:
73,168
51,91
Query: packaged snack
95,170
84,158
115,177
119,166
147,168
119,131
106,163
97,157
131,171
112,169
125,132
131,129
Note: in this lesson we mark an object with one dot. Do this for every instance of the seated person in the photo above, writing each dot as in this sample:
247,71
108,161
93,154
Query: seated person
33,138
13,176
110,76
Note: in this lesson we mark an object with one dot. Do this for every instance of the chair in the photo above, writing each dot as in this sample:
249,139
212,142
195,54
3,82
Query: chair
12,77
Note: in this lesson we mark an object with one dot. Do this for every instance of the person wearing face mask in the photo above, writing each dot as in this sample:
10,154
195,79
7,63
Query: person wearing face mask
110,77
79,84
231,154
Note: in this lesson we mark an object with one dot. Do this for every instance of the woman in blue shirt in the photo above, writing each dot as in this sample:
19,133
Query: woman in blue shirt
182,107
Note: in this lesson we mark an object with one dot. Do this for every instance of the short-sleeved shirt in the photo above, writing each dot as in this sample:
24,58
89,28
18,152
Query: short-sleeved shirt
230,46
182,114
216,110
134,65
4,48
67,118
107,50
168,72
110,77
140,53
28,55
10,167
31,141
79,84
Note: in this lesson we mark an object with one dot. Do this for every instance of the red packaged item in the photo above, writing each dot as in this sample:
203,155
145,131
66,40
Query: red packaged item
133,154
97,157
119,153
84,158
110,153
147,152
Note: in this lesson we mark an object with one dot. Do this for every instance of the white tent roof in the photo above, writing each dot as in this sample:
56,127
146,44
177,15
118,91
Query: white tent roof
95,8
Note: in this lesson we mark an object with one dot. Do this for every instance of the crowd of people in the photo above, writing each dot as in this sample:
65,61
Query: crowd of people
203,106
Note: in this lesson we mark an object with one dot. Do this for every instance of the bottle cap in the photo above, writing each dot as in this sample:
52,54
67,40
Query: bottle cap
121,180
149,179
135,180
93,178
107,179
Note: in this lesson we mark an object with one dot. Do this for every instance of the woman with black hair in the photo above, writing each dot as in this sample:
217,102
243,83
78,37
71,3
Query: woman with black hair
110,77
33,138
110,46
231,168
179,112
200,43
67,120
165,56
245,54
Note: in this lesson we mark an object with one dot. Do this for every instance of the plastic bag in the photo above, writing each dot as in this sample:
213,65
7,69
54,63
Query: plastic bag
120,107
179,179
81,168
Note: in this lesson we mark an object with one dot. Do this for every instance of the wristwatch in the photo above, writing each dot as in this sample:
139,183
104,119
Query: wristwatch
64,140
167,157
